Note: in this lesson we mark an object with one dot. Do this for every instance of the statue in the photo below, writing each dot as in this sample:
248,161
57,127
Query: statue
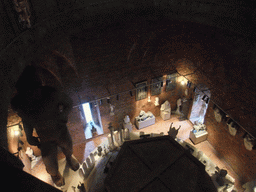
111,109
143,115
232,128
249,142
223,179
166,107
157,101
179,104
126,119
46,109
218,115
199,127
173,132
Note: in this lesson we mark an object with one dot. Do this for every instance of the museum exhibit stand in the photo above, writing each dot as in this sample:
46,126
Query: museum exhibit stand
198,134
165,110
144,119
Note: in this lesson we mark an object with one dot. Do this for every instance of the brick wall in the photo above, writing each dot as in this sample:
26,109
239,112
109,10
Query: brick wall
231,148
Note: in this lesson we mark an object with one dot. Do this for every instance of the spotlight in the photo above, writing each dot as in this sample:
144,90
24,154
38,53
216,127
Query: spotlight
182,82
16,132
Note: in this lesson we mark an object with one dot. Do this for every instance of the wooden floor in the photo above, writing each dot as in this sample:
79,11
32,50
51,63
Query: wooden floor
82,150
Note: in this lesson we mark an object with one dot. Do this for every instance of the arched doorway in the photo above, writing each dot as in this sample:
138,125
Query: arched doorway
200,104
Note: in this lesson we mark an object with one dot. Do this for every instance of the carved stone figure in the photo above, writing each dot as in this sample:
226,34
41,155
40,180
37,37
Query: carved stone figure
46,109
166,107
218,115
126,119
199,127
143,115
232,128
157,101
111,109
179,104
249,142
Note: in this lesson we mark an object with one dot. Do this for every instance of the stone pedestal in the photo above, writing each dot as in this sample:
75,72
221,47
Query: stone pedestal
198,137
165,115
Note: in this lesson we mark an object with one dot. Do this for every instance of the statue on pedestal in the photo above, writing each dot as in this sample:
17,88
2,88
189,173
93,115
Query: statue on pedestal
199,127
126,119
173,132
46,109
157,101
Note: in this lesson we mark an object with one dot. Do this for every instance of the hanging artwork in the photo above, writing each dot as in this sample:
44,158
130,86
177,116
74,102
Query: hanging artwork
141,90
156,87
217,114
171,81
232,127
249,142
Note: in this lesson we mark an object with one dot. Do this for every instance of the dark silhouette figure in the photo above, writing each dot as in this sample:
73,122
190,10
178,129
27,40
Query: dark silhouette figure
46,109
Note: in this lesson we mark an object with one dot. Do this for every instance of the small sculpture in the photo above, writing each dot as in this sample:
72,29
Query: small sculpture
157,101
232,128
220,177
112,110
143,115
249,142
218,115
111,128
166,106
179,103
173,132
126,119
199,127
30,152
99,150
165,110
